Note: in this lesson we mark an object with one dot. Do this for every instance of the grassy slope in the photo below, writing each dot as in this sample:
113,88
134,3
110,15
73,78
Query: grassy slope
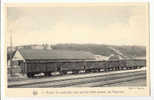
100,49
129,51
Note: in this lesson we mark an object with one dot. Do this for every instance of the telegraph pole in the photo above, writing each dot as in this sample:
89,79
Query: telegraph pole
11,48
11,55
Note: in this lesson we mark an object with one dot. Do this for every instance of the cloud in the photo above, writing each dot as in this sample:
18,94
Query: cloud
99,24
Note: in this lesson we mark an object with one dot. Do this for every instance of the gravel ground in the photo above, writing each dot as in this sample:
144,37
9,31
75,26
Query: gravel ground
139,82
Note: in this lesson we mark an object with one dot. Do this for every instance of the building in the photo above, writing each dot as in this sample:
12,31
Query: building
115,57
101,58
40,58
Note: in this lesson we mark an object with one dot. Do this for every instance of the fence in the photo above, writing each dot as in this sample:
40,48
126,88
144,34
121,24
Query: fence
14,70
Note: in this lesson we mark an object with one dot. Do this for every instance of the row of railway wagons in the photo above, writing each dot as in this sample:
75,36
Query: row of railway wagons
31,68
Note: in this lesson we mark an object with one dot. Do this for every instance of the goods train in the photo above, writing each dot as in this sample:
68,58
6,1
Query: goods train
36,67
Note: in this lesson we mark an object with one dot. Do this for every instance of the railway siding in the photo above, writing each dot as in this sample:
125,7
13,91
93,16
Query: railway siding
80,78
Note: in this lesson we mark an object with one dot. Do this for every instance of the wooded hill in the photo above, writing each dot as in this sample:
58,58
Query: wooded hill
105,50
97,49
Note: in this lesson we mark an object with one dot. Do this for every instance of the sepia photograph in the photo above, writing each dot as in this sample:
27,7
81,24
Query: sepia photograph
79,45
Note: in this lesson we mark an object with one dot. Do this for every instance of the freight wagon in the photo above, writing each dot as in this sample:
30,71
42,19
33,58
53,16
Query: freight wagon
32,68
87,66
135,63
74,66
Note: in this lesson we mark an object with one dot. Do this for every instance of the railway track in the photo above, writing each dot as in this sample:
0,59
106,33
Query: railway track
101,83
103,80
87,81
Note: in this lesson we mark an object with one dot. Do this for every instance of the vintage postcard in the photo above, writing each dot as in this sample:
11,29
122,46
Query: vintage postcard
77,49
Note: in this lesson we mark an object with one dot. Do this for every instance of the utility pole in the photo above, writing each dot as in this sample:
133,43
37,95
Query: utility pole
10,30
11,55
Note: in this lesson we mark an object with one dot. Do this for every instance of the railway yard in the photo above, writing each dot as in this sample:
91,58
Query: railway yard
135,77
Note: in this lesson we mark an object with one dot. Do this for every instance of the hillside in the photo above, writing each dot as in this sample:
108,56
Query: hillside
97,49
105,50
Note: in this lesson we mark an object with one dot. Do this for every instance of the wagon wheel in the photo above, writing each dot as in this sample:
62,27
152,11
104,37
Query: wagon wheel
48,74
30,75
63,72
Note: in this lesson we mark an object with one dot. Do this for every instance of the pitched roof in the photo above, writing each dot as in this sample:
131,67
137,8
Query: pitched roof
55,54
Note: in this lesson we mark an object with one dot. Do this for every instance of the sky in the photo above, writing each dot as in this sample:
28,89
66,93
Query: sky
102,24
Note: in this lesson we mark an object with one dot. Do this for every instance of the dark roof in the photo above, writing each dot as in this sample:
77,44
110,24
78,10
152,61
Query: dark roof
55,54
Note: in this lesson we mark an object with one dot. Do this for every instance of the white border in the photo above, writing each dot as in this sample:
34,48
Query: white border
81,98
31,1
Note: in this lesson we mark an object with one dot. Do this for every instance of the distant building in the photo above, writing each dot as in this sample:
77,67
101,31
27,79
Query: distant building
140,58
115,57
37,47
100,57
